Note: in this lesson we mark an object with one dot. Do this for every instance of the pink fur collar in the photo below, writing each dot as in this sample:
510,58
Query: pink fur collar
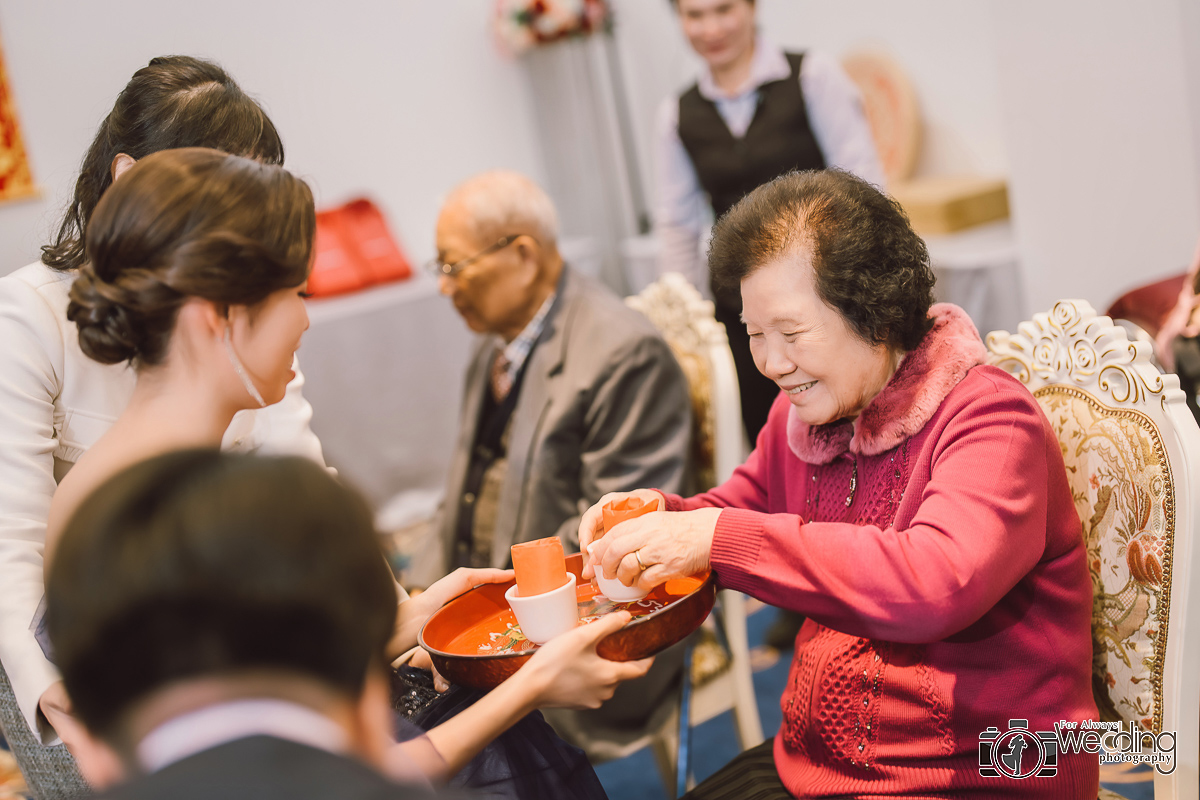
922,381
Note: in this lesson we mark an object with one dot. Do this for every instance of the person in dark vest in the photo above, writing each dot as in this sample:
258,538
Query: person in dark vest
755,113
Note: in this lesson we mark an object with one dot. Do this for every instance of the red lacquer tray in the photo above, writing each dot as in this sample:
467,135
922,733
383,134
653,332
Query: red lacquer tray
475,641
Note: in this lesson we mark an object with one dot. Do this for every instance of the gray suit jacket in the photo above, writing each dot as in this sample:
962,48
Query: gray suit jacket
603,408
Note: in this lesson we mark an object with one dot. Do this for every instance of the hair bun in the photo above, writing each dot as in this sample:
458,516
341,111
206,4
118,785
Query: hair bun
105,330
186,223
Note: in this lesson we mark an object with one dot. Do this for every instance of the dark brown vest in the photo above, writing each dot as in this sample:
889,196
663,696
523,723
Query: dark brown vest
778,140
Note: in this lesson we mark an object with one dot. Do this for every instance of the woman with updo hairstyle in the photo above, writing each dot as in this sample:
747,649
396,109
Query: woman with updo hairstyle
56,402
195,273
200,224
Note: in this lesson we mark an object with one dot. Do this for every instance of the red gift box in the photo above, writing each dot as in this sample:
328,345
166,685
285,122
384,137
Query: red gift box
354,250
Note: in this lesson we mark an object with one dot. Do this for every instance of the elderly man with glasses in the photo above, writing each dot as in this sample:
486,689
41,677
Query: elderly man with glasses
569,395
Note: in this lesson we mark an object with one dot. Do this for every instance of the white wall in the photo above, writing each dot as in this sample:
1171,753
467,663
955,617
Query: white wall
1087,105
1098,122
947,48
398,99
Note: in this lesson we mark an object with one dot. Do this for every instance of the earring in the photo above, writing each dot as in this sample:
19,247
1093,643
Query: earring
251,389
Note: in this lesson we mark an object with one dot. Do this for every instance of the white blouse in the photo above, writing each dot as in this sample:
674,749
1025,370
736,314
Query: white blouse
54,404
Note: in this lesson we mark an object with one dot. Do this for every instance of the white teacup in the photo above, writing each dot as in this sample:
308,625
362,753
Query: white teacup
546,615
612,588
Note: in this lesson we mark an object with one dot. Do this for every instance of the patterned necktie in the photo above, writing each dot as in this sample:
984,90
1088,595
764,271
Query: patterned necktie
501,380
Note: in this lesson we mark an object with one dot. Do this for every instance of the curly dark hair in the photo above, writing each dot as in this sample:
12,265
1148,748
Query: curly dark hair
870,266
174,101
186,223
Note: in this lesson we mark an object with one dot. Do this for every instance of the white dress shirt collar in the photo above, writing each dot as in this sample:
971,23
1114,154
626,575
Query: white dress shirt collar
211,726
768,64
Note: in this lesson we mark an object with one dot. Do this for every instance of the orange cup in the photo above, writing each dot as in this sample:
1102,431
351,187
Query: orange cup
620,510
540,566
613,514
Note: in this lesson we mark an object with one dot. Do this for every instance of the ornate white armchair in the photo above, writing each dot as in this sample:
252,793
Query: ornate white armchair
1132,452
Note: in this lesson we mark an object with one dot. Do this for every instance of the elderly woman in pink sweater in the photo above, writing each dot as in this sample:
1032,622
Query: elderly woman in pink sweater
910,500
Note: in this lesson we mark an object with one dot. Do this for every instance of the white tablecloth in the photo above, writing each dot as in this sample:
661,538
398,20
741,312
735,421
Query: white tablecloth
978,269
384,370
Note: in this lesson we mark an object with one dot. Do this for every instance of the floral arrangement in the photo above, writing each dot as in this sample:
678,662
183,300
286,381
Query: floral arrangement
524,24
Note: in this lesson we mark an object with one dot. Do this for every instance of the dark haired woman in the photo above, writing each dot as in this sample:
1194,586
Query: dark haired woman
194,275
55,403
908,499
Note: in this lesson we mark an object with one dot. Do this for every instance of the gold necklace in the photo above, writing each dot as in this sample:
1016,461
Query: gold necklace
814,495
853,483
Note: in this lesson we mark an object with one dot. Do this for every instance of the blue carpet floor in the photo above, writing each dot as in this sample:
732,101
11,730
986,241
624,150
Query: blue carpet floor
714,743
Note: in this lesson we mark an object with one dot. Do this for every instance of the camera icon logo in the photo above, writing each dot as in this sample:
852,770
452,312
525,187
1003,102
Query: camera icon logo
1018,753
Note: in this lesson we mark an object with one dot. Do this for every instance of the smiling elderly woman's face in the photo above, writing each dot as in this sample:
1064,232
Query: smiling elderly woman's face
805,346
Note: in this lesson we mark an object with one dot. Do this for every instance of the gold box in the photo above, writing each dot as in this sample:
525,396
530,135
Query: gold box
947,204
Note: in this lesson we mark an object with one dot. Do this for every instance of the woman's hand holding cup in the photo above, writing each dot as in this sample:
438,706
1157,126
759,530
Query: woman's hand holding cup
591,525
651,549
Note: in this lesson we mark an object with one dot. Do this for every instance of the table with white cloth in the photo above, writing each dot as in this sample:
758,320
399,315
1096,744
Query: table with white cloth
978,269
384,370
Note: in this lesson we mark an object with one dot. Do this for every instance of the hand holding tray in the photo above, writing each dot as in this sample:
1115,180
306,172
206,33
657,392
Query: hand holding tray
474,640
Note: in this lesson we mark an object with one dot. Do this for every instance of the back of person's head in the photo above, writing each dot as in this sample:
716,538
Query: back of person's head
198,564
174,101
505,203
186,223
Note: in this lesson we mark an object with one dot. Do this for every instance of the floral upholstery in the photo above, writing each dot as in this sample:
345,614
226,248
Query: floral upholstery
1132,453
1123,491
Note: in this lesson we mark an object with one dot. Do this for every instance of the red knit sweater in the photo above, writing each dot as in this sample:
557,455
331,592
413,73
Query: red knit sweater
951,594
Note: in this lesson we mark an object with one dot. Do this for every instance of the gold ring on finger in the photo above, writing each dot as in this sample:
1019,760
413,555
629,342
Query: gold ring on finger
638,556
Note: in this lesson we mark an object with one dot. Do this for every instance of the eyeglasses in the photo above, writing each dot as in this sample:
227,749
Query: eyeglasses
437,267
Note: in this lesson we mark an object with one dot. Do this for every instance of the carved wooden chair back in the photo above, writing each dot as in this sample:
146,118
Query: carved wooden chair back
1132,452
